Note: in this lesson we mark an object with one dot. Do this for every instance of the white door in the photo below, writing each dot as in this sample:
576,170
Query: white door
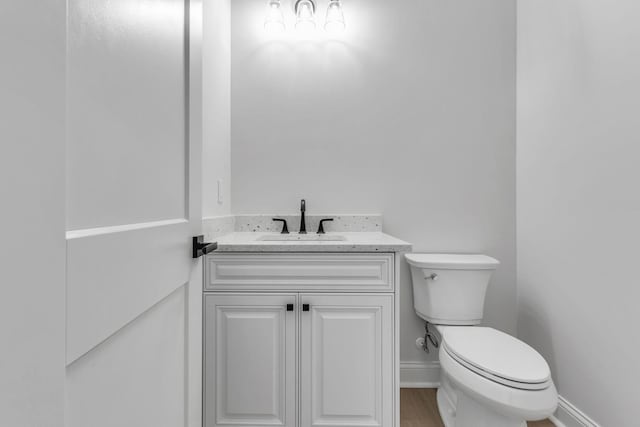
250,360
133,349
346,351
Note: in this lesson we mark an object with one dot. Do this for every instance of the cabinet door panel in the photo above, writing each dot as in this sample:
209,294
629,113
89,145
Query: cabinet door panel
250,360
346,360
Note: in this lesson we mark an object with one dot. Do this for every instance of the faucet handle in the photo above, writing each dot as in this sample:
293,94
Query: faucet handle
285,229
321,225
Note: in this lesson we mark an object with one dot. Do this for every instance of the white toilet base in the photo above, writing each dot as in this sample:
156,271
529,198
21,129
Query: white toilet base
446,408
459,410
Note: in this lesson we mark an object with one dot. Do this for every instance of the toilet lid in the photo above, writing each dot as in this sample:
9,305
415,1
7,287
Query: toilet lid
497,356
452,261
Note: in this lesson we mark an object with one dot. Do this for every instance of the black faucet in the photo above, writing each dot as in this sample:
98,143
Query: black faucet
303,227
285,230
321,225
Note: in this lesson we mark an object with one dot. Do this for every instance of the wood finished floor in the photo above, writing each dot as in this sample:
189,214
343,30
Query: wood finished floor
418,408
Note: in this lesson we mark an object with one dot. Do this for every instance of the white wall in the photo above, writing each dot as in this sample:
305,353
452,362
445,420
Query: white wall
579,199
410,114
216,101
32,254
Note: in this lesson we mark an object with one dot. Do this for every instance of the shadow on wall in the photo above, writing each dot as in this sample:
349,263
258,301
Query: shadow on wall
537,333
300,60
535,328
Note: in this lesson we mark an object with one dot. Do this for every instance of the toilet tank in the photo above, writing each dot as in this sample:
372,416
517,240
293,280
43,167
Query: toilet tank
449,289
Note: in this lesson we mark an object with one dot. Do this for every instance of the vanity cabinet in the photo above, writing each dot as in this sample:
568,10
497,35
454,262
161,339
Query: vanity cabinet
309,356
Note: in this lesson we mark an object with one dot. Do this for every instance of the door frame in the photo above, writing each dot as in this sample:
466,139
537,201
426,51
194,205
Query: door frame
194,323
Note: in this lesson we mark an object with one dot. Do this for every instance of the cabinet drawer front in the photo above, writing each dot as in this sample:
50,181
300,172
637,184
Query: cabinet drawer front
340,271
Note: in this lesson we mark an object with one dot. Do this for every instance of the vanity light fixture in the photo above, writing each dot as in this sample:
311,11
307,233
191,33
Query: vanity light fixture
335,17
305,15
274,22
305,11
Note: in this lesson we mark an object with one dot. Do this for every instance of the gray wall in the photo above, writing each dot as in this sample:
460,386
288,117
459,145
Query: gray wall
216,107
410,114
32,186
579,199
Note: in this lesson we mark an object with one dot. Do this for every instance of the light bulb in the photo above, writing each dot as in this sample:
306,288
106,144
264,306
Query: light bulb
274,22
305,10
335,17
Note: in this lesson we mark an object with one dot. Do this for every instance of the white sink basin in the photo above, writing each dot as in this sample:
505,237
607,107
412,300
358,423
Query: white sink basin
302,238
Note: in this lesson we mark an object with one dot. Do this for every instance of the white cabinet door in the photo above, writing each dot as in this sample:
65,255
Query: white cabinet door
250,360
346,360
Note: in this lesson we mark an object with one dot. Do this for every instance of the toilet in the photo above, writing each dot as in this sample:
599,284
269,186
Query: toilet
488,378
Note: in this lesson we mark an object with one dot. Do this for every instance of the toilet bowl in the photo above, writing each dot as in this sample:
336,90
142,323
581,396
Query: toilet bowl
488,378
494,379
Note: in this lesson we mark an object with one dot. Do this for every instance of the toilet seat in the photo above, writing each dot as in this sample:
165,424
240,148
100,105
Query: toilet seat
497,356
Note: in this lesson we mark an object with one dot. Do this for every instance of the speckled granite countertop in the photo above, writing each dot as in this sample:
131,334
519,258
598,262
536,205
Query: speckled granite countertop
354,242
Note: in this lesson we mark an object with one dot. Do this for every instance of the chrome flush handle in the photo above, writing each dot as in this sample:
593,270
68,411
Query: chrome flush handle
432,276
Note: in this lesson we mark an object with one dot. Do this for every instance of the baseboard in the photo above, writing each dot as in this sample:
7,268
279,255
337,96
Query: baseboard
568,415
419,374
